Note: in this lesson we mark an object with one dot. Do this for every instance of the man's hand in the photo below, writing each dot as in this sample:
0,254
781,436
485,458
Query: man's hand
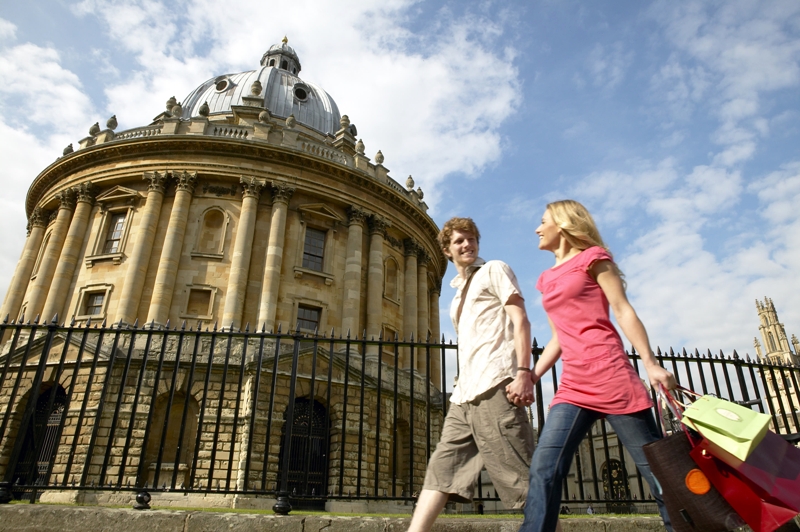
520,390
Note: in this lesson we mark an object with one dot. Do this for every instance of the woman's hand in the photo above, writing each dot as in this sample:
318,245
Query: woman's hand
520,390
659,375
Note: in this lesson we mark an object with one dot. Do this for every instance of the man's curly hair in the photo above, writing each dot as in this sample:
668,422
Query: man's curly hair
465,225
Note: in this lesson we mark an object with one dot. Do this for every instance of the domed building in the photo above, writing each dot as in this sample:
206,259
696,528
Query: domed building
250,212
249,202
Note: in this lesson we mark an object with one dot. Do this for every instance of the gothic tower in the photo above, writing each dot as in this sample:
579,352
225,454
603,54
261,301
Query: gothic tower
773,334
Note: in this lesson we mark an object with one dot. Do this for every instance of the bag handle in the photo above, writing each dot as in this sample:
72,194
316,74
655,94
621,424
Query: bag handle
677,408
458,314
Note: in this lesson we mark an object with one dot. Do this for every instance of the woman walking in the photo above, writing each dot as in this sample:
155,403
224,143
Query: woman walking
597,380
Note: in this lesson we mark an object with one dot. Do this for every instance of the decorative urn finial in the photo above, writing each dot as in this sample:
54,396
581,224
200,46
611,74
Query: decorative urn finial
204,109
69,149
419,193
344,121
263,116
177,110
112,123
410,183
171,103
95,129
360,147
379,157
291,122
256,88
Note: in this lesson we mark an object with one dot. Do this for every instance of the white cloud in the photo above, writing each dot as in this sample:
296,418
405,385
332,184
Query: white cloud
432,102
7,30
607,66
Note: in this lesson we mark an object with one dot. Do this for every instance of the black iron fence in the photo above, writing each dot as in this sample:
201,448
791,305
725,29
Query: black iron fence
311,419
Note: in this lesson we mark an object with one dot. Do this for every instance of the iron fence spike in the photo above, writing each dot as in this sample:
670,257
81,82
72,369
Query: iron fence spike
183,325
6,319
103,325
36,319
215,327
247,327
136,323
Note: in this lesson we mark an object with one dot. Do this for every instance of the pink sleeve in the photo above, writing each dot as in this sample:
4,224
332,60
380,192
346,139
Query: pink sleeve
594,254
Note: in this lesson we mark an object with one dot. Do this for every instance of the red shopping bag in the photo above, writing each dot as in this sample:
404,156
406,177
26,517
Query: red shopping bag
763,514
772,470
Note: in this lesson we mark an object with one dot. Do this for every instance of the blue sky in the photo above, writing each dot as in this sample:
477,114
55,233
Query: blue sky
676,123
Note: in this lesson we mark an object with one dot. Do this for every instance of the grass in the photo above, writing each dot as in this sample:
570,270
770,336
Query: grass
343,514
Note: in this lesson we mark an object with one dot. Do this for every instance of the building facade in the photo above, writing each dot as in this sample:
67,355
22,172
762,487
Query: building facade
250,205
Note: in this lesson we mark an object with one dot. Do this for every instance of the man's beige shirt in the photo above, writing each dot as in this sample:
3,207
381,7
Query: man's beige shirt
486,355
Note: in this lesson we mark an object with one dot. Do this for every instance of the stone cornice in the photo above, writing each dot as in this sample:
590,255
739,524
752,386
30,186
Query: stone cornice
187,147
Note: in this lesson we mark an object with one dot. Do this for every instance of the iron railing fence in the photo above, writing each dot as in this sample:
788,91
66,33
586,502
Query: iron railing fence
311,418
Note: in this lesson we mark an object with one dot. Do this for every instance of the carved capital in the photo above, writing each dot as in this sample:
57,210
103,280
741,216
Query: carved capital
251,187
157,181
38,218
85,192
66,199
356,215
436,287
411,247
378,224
185,181
423,259
281,192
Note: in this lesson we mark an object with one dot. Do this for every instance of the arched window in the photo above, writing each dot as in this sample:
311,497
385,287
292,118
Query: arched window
162,444
390,279
272,62
42,248
308,455
211,234
284,65
40,439
771,342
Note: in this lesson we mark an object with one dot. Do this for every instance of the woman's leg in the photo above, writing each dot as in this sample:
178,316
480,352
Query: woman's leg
563,431
634,431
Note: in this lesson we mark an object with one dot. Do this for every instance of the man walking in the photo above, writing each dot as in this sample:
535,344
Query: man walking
486,425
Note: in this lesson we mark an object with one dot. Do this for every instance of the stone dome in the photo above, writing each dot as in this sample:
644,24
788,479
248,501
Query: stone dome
283,92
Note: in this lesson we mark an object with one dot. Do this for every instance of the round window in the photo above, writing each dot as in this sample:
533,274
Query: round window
300,93
222,85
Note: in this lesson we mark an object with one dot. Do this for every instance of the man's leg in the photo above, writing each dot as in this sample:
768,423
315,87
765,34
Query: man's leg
429,505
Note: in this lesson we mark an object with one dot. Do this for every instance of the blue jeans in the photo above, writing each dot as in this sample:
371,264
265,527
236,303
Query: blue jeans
562,433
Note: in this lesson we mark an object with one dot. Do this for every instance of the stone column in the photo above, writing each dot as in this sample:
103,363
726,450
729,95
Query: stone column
351,298
22,274
422,307
137,261
436,335
49,260
164,286
377,229
242,248
70,252
281,193
410,324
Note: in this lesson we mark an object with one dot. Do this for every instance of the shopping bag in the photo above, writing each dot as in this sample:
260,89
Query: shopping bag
693,504
763,515
735,428
772,470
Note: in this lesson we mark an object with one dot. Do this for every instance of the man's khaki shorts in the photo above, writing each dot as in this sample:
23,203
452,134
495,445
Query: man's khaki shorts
488,431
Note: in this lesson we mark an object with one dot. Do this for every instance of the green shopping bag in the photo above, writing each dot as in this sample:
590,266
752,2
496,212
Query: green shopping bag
735,428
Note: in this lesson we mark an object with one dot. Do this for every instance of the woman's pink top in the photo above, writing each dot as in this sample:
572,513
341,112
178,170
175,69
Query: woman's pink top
596,372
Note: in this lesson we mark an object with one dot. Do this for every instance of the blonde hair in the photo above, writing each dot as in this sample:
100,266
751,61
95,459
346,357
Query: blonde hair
578,227
465,225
